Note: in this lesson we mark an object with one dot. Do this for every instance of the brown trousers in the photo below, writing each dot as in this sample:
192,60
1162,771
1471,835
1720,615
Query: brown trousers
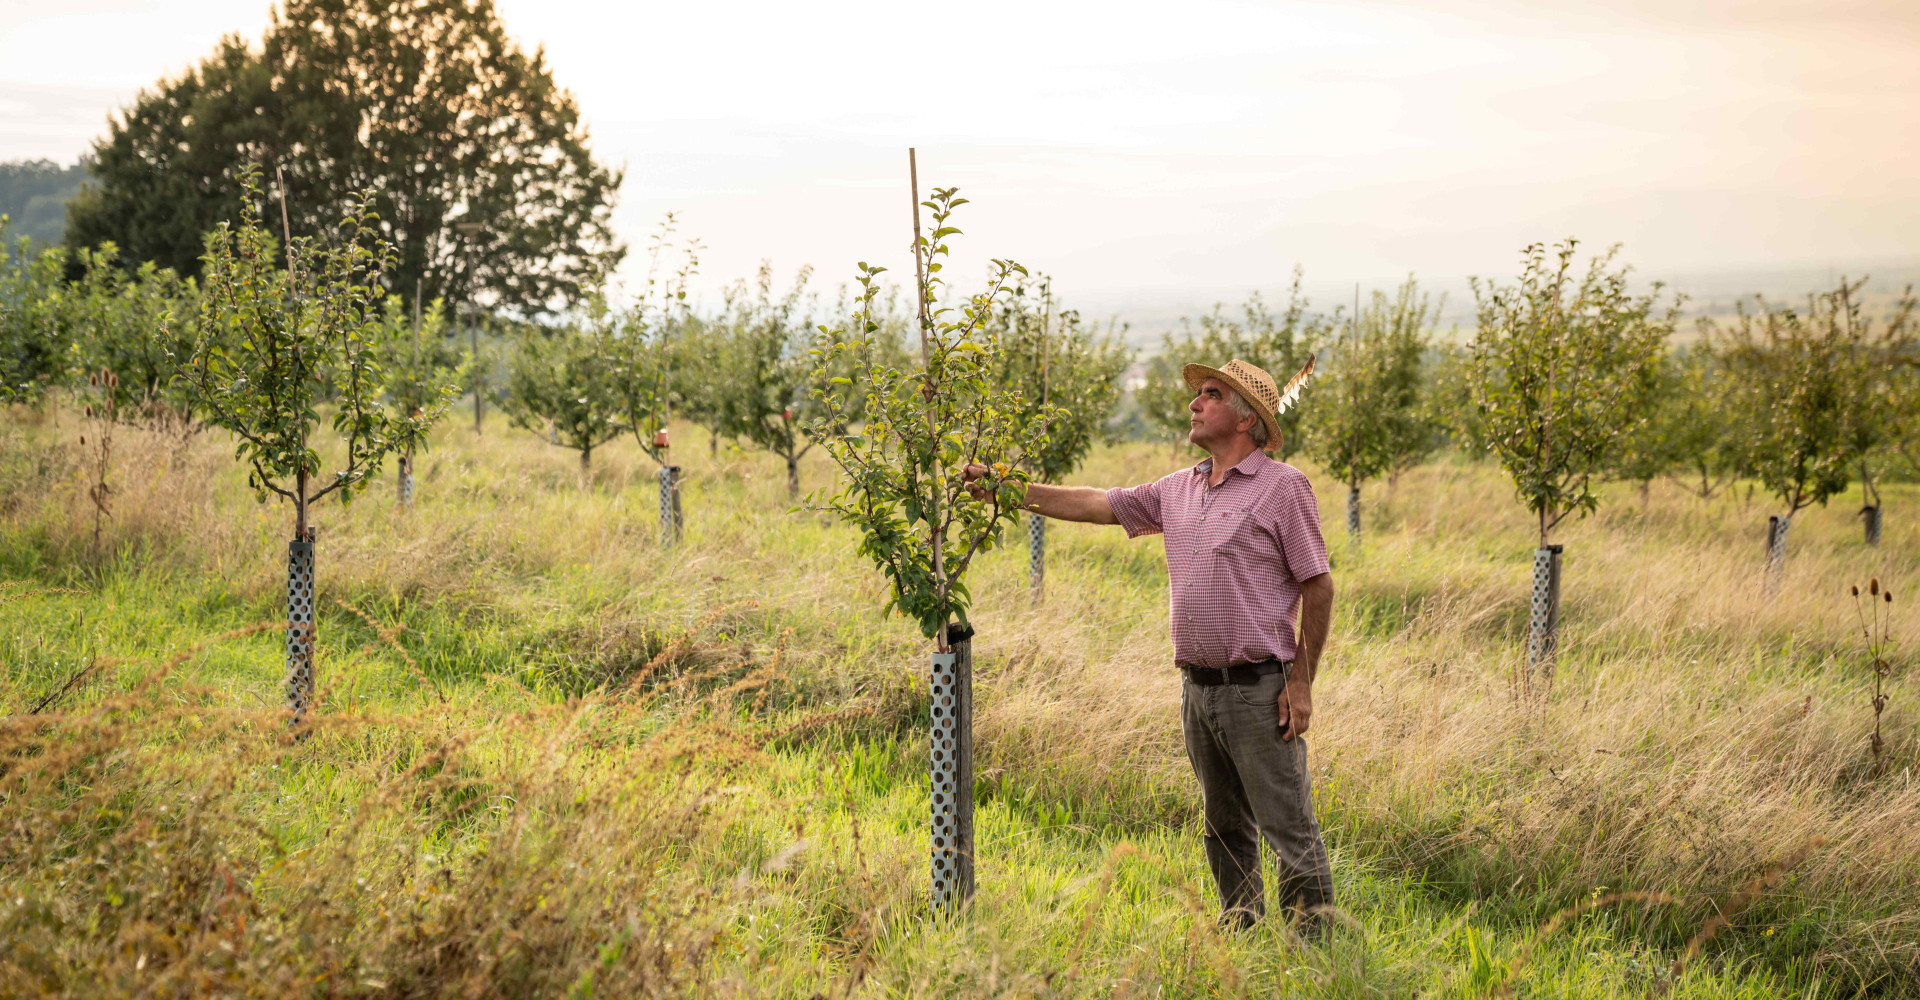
1256,787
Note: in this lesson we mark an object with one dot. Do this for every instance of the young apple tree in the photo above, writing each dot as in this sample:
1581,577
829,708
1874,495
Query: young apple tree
424,368
759,369
1068,377
1369,420
1802,390
901,437
1559,379
271,345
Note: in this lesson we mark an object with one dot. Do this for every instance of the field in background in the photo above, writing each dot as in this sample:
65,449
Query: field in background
588,766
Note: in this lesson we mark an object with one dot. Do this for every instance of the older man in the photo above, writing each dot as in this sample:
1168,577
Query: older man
1243,547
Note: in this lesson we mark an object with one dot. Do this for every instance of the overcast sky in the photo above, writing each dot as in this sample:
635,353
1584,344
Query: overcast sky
1160,155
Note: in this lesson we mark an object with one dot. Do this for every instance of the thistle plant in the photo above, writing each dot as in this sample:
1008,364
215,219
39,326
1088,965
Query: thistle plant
901,435
1875,616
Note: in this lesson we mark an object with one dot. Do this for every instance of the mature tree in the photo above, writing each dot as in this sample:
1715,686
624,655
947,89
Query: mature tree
1280,344
474,160
1367,419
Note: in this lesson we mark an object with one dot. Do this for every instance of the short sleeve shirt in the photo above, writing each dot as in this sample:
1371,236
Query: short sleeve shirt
1236,555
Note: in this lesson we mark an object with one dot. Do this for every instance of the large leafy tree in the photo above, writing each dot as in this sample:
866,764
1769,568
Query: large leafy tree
474,160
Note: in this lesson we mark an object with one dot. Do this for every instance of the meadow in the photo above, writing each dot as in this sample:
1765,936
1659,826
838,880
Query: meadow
553,758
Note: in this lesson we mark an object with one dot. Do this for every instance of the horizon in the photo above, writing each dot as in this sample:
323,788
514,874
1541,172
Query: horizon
1155,165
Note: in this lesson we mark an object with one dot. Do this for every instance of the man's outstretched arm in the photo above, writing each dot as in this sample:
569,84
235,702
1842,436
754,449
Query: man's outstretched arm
1064,503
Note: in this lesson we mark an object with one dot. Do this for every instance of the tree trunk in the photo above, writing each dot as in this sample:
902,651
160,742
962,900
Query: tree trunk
586,463
950,690
1646,494
793,476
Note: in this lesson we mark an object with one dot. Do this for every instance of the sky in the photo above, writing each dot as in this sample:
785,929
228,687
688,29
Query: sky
1155,158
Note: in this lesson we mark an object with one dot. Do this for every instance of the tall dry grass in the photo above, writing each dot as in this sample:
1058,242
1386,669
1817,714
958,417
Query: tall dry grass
1697,733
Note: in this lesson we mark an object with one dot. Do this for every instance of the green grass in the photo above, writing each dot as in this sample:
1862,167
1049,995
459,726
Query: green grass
503,811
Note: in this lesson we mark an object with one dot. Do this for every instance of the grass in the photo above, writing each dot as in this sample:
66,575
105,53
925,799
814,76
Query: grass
586,766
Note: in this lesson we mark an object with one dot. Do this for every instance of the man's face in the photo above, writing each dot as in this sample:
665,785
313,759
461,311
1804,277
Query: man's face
1214,422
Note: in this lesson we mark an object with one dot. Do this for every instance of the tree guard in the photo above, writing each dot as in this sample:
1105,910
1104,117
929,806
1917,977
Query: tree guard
950,689
672,522
1870,522
1353,513
1776,548
406,481
1543,632
1037,554
299,628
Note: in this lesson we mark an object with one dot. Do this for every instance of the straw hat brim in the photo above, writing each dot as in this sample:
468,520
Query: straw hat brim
1197,375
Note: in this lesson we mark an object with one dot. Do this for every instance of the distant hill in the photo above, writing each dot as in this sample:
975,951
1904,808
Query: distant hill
34,195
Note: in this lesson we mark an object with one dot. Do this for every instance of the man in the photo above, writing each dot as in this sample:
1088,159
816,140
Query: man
1243,544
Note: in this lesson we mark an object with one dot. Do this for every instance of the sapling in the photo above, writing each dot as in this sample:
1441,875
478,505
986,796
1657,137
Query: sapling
1068,376
424,367
759,370
902,460
1801,385
1558,377
270,346
561,384
1369,420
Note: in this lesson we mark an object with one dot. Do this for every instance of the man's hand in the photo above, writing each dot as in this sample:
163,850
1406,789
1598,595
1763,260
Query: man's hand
1296,707
971,475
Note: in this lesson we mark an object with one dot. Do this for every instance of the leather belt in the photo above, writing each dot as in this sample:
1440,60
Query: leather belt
1239,673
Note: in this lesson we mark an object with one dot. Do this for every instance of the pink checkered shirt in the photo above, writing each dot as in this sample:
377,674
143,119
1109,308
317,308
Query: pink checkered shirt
1236,554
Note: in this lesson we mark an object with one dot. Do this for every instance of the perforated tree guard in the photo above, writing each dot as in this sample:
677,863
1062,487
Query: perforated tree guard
1870,522
951,756
1543,631
1776,548
1037,554
1353,512
406,480
671,520
299,629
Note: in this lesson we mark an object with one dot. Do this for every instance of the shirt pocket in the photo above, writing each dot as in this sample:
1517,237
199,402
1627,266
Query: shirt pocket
1229,528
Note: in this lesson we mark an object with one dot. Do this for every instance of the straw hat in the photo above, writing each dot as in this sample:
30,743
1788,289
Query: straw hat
1254,385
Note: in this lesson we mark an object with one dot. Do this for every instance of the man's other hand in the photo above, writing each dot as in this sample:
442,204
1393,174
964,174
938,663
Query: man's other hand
1296,708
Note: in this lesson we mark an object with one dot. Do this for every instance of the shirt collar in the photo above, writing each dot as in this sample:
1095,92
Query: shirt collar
1249,466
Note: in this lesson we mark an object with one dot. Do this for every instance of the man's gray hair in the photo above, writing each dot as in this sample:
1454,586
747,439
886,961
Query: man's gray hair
1244,409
